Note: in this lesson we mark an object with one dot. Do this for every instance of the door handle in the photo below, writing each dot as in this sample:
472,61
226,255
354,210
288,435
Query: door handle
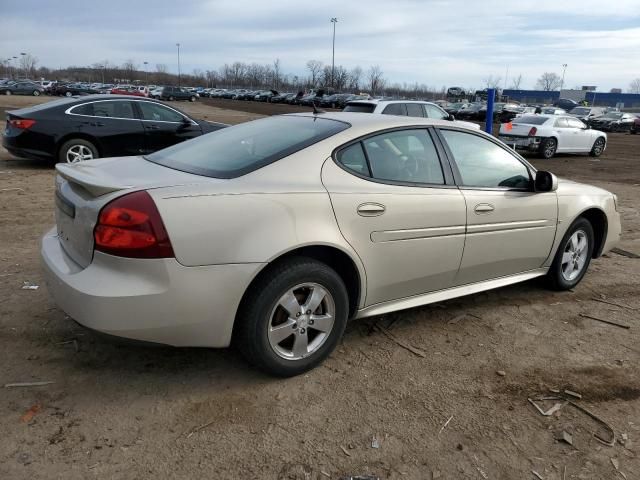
483,208
370,209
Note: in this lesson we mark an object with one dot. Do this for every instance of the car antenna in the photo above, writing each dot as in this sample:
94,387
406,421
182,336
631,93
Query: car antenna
316,110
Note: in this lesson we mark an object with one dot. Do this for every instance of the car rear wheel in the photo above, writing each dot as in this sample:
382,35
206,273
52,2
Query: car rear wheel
68,94
171,99
573,256
598,147
548,147
292,318
36,93
77,150
7,92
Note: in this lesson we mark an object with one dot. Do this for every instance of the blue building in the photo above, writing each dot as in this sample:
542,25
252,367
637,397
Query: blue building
601,99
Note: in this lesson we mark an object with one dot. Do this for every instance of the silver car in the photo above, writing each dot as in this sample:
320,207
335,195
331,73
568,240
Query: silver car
274,233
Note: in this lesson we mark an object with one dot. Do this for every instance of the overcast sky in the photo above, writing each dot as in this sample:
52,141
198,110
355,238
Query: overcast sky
436,42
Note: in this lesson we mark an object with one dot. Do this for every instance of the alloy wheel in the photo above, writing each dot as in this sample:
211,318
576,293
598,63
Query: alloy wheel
598,147
79,153
550,148
301,321
575,255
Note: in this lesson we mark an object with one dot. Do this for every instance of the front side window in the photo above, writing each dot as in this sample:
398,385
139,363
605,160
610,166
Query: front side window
561,123
241,149
407,156
434,112
482,163
159,113
395,109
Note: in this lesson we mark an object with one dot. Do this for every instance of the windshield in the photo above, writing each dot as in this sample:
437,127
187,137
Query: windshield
241,149
360,107
531,120
580,111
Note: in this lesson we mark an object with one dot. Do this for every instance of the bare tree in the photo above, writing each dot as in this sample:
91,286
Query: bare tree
315,69
375,75
492,82
28,64
549,81
161,68
129,68
340,77
354,78
515,82
634,86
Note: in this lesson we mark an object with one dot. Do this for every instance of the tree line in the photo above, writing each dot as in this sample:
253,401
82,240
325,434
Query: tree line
262,76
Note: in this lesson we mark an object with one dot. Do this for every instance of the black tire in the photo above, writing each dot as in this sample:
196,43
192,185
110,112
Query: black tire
68,94
548,147
254,316
555,278
74,142
192,99
598,147
36,93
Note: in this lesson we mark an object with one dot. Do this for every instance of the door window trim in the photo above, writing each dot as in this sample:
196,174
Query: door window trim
193,122
136,110
429,131
456,172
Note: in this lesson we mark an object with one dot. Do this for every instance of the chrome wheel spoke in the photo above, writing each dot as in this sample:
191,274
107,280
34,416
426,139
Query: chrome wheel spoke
282,332
290,303
322,323
566,257
582,244
300,345
315,299
574,242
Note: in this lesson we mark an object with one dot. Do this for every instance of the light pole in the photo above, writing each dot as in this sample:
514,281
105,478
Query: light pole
178,45
146,73
334,20
14,66
564,69
22,54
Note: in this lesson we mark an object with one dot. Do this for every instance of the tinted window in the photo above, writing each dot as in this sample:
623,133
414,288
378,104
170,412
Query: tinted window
159,113
414,110
404,156
395,109
575,123
112,109
360,107
353,158
530,120
482,163
237,150
435,112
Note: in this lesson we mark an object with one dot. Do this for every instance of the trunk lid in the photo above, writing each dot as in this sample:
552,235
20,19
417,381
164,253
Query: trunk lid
517,129
82,190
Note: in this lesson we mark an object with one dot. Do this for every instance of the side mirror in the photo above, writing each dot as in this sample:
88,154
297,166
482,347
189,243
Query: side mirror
545,182
451,117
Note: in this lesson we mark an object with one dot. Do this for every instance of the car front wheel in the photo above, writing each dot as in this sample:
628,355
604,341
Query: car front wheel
293,317
573,256
598,147
7,92
36,93
77,150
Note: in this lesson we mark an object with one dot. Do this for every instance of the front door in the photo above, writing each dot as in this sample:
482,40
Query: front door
510,228
165,126
400,211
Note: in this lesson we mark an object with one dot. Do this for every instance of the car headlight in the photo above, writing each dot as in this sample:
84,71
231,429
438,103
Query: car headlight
615,201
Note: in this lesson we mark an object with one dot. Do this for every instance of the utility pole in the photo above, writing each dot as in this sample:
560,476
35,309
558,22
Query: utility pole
22,54
178,45
564,69
334,20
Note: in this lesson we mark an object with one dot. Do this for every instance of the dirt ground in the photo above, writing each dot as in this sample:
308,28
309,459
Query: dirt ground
125,411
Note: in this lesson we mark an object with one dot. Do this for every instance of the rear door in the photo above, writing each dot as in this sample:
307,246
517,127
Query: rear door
113,124
399,209
164,126
510,228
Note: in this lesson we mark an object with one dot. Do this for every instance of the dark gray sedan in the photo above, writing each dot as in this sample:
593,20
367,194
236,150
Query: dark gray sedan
21,88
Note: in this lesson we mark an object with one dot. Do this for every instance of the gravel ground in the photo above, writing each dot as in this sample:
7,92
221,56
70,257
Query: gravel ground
124,411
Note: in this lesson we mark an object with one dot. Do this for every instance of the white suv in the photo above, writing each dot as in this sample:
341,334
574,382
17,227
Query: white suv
408,108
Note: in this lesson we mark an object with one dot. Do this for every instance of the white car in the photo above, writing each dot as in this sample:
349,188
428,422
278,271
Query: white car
155,92
407,108
551,134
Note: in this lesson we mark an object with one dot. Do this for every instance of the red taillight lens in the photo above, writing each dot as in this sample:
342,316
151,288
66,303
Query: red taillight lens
22,124
533,131
130,226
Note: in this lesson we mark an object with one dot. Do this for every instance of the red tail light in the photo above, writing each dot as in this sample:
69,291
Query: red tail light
533,131
22,124
130,226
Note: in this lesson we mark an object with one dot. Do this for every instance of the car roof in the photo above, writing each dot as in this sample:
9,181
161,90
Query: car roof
367,121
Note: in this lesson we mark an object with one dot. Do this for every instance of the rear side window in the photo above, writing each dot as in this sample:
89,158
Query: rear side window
159,113
360,107
241,149
561,123
575,123
395,109
353,158
414,110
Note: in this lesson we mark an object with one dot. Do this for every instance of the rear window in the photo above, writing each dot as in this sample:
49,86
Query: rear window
241,149
531,120
360,107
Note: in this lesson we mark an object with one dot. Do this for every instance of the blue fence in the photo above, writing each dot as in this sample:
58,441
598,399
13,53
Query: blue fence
628,100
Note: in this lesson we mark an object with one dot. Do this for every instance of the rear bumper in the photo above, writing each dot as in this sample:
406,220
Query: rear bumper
18,145
531,144
157,300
